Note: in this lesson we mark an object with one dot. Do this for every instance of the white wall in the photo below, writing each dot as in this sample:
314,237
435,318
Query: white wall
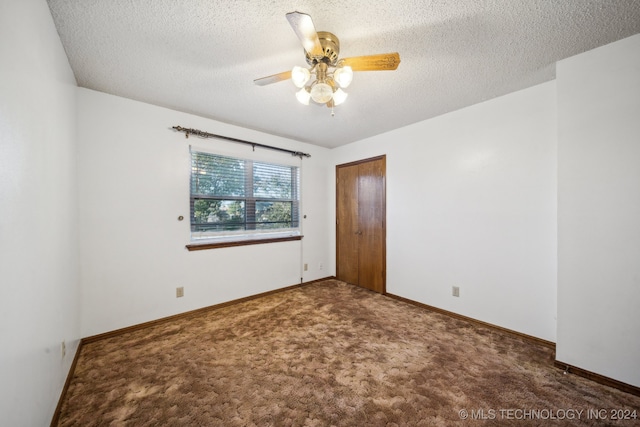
471,202
134,184
599,210
39,308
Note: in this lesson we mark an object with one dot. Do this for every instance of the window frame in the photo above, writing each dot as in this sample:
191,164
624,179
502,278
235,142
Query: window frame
251,233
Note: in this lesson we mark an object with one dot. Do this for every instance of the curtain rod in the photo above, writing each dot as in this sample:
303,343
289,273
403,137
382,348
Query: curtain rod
203,134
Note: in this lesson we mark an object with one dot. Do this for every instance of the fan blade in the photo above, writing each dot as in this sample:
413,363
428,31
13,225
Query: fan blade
381,62
263,81
305,30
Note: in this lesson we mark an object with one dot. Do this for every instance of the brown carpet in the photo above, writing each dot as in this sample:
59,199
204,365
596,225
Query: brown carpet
329,354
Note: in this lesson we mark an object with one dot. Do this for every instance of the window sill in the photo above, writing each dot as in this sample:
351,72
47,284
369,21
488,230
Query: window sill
217,245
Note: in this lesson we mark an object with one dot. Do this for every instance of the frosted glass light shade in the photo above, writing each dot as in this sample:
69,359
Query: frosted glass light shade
343,76
303,96
300,76
321,93
339,96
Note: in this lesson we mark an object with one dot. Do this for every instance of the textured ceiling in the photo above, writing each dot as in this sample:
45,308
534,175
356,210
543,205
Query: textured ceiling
201,56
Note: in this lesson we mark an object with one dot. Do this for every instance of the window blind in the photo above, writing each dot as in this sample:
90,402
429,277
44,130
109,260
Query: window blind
233,198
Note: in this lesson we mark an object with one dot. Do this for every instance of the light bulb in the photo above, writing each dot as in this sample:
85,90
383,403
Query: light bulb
343,76
300,76
321,93
303,96
339,96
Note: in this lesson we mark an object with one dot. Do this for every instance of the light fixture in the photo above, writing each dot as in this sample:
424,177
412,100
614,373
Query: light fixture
339,96
326,86
300,76
343,76
303,96
321,92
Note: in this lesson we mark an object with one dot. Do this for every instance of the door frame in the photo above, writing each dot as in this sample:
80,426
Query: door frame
382,157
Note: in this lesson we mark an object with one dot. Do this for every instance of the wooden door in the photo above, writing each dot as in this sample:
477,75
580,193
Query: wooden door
347,227
360,223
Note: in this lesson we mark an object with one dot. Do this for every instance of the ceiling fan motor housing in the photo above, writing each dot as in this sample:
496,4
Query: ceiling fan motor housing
330,47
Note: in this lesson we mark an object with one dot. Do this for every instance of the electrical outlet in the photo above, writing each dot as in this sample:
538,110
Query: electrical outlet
320,266
63,348
456,291
306,267
180,292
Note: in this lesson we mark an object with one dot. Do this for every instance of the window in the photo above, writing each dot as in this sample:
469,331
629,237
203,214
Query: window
236,199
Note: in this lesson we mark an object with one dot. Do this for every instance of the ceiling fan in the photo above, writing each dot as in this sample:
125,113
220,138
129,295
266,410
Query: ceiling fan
331,74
